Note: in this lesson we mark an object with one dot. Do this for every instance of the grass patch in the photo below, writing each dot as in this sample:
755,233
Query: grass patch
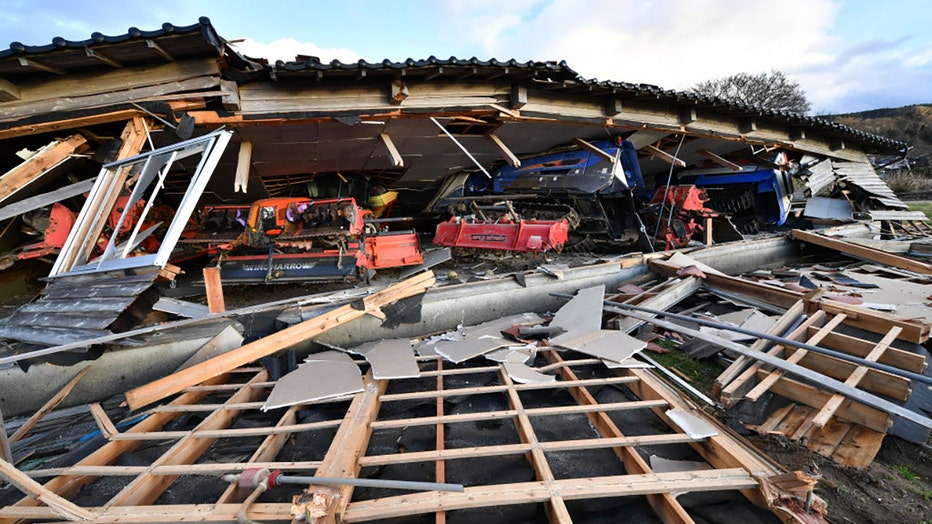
925,207
701,374
905,472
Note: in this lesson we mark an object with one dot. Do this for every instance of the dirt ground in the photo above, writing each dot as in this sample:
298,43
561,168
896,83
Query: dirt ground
895,488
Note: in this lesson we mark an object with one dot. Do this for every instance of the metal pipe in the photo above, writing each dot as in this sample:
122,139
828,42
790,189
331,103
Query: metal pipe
457,142
617,307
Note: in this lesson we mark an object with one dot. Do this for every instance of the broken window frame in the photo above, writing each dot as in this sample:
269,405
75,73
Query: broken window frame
150,168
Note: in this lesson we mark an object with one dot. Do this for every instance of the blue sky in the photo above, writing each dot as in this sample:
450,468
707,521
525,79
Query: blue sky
848,55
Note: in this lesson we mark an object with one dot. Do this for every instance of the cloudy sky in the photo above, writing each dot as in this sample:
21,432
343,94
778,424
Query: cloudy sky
848,55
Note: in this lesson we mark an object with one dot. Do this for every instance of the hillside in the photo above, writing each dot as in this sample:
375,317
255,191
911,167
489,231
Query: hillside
910,124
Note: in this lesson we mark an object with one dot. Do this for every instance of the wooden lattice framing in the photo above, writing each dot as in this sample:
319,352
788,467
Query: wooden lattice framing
225,398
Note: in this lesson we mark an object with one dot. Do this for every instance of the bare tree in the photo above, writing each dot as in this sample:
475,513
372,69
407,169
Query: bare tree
771,90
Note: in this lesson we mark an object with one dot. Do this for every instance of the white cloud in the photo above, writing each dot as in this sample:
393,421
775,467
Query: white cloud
286,49
675,44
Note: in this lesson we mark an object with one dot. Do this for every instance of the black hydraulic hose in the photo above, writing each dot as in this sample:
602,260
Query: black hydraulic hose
617,307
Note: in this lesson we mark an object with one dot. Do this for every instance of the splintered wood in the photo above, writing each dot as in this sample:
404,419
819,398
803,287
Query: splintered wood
519,450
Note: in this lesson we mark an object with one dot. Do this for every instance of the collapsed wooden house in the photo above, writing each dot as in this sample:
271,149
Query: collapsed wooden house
176,116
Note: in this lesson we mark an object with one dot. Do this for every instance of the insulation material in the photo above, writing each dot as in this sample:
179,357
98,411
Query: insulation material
390,358
326,375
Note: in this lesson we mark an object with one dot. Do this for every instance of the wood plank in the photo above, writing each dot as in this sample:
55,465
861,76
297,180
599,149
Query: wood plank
855,378
555,506
214,288
858,448
59,505
724,162
531,492
826,439
51,404
785,322
795,355
328,503
863,252
915,331
273,343
738,388
826,382
243,164
5,452
861,348
107,429
849,411
147,488
663,155
22,175
664,505
67,486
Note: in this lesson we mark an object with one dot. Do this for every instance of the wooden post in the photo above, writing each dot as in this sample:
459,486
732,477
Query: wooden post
214,289
707,234
5,452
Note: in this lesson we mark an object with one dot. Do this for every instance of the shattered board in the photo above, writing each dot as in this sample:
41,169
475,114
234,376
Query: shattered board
580,319
324,375
478,340
390,358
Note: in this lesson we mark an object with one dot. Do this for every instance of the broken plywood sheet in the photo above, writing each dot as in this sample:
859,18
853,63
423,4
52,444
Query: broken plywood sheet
580,319
322,376
477,340
389,359
524,374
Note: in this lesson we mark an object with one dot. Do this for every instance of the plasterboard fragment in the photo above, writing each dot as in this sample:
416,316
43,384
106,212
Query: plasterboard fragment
581,321
692,425
681,260
626,364
520,354
322,376
481,339
523,374
392,358
662,465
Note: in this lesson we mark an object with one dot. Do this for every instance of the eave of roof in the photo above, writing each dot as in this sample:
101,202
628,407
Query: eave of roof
558,76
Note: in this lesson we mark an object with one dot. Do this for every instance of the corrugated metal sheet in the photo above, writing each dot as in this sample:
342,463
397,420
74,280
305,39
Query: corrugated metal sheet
862,175
820,175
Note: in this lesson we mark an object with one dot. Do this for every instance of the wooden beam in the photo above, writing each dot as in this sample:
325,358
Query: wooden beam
9,91
102,57
797,133
320,504
51,404
59,505
518,97
719,160
5,452
509,156
687,115
397,161
594,150
27,62
399,92
214,288
243,163
664,504
794,358
159,389
151,44
71,123
863,252
830,407
663,155
613,107
22,175
107,429
230,96
800,371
